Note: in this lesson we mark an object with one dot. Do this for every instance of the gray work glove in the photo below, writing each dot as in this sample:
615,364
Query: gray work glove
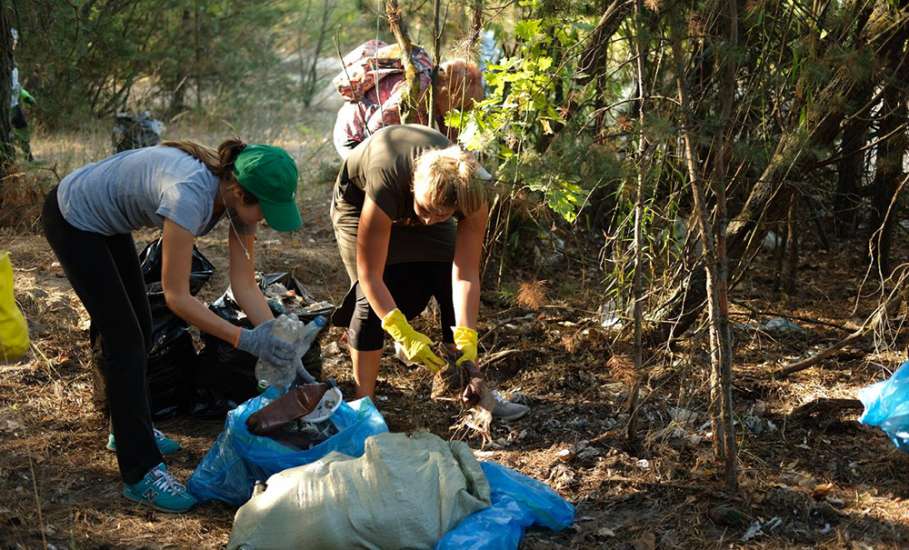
263,344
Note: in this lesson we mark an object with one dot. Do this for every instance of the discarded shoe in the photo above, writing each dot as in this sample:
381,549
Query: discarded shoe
160,490
166,445
296,403
508,410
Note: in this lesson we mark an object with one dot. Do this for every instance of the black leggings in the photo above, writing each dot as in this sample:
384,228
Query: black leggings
105,274
411,285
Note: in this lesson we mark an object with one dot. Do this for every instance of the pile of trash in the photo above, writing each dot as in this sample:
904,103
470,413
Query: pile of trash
364,487
309,470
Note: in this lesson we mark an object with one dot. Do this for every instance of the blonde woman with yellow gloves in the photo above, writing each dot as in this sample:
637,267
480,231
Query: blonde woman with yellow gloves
409,215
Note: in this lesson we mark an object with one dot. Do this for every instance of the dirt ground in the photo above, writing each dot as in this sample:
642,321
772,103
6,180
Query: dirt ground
807,480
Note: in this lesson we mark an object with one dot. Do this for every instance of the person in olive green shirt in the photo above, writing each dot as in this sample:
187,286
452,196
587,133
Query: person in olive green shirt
409,215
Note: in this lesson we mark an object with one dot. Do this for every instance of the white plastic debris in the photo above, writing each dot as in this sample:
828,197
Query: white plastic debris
782,326
609,315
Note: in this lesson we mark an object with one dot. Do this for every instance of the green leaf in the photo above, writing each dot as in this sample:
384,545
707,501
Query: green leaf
527,29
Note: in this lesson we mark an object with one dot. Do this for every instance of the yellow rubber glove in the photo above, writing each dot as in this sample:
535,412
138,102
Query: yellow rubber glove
466,342
417,347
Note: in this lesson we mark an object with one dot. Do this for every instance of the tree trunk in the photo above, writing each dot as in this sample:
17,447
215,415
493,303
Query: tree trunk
436,58
178,97
411,105
7,154
890,154
850,169
713,260
636,289
312,78
197,50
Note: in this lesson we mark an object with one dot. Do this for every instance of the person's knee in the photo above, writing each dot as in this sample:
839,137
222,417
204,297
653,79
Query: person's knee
123,347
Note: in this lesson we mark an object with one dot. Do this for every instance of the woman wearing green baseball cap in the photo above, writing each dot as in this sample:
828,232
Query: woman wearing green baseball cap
184,188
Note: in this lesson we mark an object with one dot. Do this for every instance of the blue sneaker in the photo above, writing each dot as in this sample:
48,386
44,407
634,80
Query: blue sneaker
166,445
161,491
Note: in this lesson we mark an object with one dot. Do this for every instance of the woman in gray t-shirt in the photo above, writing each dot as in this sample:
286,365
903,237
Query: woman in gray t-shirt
183,188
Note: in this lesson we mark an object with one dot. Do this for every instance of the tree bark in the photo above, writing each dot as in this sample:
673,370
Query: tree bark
7,154
411,104
713,257
890,154
850,169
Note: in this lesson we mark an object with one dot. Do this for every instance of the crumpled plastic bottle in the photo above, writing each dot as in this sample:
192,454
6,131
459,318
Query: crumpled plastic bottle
292,331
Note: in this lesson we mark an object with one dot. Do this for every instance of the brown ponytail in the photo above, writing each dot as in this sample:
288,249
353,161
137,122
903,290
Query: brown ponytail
220,162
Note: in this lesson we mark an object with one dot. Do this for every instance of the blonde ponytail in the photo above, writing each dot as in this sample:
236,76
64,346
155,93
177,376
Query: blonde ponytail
445,178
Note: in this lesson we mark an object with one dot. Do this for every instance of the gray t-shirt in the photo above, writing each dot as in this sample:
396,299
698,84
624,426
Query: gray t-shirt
139,188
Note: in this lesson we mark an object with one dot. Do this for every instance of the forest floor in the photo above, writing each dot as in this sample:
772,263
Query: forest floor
807,480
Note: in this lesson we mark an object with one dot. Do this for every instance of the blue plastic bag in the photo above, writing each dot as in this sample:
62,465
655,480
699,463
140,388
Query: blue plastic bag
518,502
238,458
887,406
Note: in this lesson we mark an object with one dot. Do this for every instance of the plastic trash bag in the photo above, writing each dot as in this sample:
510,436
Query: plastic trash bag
226,374
518,502
171,366
14,342
151,260
405,491
887,406
238,458
132,131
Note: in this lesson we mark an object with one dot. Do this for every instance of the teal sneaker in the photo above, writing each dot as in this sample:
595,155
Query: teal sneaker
166,445
160,490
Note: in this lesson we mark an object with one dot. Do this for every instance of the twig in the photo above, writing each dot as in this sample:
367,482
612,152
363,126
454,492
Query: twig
820,356
494,358
826,406
31,466
50,367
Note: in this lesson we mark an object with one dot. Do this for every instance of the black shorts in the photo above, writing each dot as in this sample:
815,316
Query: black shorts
17,118
411,285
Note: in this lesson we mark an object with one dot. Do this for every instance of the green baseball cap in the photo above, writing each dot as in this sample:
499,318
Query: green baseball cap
270,174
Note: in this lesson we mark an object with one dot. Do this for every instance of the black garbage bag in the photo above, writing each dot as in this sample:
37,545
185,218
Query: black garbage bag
135,130
151,260
226,375
172,359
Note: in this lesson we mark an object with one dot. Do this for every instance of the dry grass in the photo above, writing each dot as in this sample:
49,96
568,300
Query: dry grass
531,295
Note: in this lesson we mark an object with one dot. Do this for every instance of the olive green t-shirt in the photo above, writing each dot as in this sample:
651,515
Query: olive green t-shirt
381,168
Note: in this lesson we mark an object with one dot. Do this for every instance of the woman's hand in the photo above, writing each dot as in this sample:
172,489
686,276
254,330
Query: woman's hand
466,341
262,343
417,346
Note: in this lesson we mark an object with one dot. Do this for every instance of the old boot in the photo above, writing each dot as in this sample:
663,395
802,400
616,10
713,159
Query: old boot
296,403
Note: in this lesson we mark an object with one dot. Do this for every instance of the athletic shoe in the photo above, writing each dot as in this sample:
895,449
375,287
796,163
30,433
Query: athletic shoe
161,491
507,410
166,445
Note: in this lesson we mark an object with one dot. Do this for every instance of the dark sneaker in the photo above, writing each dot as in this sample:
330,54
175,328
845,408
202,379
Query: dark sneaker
166,445
161,491
507,410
